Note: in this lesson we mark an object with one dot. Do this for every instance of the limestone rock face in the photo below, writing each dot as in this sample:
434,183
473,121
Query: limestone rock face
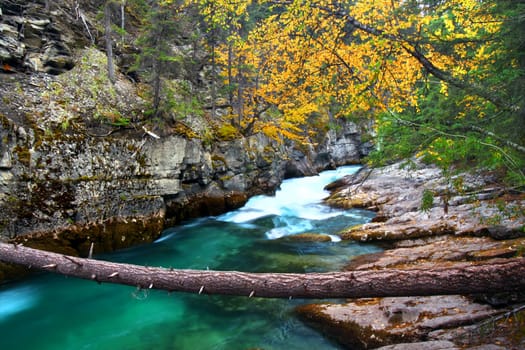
33,39
53,183
334,148
63,173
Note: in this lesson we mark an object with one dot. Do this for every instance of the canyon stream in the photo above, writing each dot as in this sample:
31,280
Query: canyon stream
48,311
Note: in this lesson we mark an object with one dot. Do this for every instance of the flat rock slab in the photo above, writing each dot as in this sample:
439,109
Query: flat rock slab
395,193
465,219
440,250
372,323
427,345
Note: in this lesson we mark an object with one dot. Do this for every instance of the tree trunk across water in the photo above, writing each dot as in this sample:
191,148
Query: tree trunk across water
496,276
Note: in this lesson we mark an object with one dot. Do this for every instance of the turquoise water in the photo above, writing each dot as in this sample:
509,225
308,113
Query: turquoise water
54,312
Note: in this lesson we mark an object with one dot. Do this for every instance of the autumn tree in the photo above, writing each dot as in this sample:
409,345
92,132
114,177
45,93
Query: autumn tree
469,111
434,76
234,67
439,78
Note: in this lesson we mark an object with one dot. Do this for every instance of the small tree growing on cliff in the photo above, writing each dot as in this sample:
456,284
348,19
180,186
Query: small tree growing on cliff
163,29
109,40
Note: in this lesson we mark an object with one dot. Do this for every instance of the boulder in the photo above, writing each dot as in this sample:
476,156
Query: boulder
372,323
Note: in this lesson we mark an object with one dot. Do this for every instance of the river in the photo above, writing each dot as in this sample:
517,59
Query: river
48,311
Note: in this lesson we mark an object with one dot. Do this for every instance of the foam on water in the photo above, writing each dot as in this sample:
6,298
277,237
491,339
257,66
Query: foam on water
296,205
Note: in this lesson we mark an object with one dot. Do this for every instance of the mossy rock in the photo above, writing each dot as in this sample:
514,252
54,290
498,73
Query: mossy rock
107,236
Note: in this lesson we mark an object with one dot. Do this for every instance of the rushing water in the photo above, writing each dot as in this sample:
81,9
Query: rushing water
53,312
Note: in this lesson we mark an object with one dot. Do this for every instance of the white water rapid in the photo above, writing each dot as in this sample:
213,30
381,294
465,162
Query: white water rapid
295,207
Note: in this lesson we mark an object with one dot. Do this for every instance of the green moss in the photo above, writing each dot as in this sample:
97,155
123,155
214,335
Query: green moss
6,123
107,236
226,178
23,154
184,130
141,160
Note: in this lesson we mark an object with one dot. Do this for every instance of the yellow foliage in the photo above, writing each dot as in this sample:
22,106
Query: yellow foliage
344,58
227,132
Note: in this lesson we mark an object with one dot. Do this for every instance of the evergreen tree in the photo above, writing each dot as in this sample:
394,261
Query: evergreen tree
163,29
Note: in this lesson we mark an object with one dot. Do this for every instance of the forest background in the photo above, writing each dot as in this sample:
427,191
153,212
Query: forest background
440,79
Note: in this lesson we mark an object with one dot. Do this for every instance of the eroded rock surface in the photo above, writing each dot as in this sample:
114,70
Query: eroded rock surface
35,39
396,194
438,250
481,222
372,323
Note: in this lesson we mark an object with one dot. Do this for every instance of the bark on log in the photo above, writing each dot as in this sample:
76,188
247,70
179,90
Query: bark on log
496,276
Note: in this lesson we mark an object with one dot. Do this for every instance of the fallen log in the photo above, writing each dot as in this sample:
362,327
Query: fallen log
468,278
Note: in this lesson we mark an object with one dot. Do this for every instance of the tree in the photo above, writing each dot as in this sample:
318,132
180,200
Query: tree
165,26
471,116
109,40
391,61
503,275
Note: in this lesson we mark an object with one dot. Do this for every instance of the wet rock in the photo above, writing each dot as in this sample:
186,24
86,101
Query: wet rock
57,58
426,345
372,323
32,41
298,165
11,49
106,236
307,237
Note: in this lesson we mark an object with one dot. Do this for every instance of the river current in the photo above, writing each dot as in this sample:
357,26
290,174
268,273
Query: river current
48,311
